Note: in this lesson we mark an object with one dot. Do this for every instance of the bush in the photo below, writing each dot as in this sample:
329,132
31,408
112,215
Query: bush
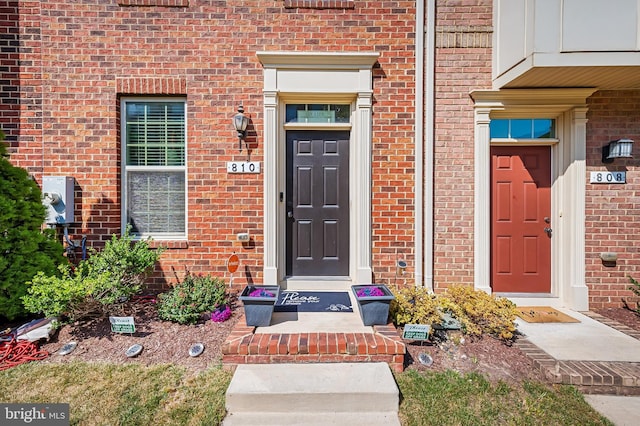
635,288
414,305
120,269
25,249
98,284
478,312
192,297
481,313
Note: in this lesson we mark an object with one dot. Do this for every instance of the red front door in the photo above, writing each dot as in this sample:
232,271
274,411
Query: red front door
520,218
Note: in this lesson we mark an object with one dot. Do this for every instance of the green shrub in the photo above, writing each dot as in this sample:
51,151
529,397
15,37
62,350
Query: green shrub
478,312
98,284
635,288
120,269
195,295
25,249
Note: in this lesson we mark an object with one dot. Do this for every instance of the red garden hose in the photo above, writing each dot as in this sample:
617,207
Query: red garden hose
15,352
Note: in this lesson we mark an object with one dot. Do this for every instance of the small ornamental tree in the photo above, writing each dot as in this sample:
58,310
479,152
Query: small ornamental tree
25,249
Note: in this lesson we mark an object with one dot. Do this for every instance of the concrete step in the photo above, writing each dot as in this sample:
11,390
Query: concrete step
312,419
308,393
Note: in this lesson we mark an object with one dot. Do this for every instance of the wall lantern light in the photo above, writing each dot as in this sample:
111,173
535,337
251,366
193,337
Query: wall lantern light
620,148
240,122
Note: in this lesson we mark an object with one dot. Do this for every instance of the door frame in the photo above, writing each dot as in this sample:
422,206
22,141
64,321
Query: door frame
308,77
568,153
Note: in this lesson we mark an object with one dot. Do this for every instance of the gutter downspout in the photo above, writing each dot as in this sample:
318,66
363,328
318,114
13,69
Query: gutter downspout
429,99
419,145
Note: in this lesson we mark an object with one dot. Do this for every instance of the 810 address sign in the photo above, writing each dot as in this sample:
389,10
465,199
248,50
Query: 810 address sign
243,167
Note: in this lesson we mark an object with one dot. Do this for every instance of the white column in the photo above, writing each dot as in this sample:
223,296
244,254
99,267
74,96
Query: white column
362,194
270,179
482,204
578,297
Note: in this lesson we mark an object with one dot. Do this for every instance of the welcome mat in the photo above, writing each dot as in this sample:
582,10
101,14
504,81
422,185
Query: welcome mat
542,314
313,301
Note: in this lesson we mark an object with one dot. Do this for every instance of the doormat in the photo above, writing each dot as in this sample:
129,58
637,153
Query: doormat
313,301
542,314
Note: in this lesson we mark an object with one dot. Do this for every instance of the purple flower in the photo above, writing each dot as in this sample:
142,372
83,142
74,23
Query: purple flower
221,314
370,292
258,292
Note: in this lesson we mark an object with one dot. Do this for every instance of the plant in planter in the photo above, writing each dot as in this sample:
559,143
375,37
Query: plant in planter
373,300
258,304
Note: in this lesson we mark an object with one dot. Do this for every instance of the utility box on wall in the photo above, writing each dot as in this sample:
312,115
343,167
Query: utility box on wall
57,197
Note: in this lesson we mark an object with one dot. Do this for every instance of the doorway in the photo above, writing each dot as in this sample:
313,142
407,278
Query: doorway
521,229
317,203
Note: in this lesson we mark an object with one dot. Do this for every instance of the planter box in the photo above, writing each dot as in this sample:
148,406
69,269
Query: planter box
374,310
258,310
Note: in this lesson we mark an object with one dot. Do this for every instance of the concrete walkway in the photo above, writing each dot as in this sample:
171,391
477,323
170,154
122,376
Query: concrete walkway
599,356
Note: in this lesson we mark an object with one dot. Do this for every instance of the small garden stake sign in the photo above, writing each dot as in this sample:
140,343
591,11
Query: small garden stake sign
258,304
122,325
373,300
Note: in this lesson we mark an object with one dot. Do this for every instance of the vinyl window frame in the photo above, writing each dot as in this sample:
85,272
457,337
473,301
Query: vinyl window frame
126,168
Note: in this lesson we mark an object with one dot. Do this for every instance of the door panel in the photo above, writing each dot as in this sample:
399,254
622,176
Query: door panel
317,203
521,208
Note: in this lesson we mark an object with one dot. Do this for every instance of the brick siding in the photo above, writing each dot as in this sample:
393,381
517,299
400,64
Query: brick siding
459,70
79,57
612,210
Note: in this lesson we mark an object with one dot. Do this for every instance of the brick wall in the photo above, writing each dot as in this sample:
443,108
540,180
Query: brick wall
9,71
612,210
80,56
463,64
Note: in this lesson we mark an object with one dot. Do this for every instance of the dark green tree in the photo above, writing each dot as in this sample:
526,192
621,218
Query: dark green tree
25,248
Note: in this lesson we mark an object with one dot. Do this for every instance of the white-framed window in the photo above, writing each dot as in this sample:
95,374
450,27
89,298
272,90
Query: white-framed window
154,181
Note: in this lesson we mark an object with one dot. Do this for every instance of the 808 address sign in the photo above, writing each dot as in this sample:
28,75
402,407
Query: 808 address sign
608,177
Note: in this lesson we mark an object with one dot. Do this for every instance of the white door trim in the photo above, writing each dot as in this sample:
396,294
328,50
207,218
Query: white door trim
568,189
307,77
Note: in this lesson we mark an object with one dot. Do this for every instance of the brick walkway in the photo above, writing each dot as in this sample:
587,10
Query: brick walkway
617,378
244,346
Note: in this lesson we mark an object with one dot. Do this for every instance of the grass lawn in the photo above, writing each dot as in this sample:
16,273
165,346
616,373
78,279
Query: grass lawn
101,394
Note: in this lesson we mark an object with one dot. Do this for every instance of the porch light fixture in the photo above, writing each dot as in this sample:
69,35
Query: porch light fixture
620,148
240,122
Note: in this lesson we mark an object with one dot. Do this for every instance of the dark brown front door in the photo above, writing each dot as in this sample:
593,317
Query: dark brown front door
521,225
317,203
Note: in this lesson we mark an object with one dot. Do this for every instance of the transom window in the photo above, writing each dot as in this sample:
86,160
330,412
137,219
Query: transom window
318,113
522,128
154,181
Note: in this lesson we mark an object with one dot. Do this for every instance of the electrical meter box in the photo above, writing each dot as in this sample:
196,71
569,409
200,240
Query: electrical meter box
57,197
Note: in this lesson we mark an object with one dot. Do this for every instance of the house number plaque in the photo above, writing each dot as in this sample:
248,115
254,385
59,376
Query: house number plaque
243,167
608,177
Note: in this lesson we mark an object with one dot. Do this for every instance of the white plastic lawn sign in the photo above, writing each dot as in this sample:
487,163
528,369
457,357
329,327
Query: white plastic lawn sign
122,325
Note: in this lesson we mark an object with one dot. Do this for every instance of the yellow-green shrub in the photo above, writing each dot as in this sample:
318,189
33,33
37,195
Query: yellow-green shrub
482,313
414,305
478,312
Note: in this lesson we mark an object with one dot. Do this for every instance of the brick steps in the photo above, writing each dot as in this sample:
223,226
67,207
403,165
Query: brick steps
245,346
